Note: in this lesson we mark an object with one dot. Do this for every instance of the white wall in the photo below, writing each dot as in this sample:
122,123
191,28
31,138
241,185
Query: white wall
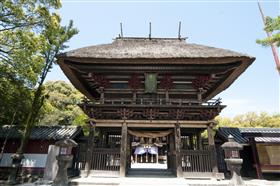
30,160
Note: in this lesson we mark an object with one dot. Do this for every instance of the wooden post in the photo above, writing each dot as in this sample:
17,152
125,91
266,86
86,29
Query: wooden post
171,153
167,97
191,142
128,152
199,140
90,147
134,97
123,153
211,143
101,89
256,158
157,158
177,133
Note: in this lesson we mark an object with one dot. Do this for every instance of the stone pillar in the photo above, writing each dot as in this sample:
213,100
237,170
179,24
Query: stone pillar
178,164
211,143
123,152
61,178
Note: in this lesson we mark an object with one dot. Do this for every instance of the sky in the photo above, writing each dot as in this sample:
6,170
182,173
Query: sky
233,25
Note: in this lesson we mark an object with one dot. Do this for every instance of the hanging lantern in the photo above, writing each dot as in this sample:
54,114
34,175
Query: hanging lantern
142,141
136,139
150,141
158,141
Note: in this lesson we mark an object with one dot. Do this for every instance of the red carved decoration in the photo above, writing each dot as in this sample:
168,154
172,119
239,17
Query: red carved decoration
134,82
208,114
125,113
101,80
201,81
151,113
177,113
166,82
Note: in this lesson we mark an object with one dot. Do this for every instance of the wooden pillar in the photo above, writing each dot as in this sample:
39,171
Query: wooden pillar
134,96
177,134
128,152
167,97
256,158
211,143
90,147
123,152
191,142
101,89
199,140
171,153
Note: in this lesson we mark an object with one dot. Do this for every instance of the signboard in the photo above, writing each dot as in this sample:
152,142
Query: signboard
150,82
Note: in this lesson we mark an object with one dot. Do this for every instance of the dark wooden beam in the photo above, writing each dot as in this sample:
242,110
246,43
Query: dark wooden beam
256,157
177,134
123,153
190,69
90,147
211,143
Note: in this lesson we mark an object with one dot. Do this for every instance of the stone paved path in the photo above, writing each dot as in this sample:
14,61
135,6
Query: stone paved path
157,182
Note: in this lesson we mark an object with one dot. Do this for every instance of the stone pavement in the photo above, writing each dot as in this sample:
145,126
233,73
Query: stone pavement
132,181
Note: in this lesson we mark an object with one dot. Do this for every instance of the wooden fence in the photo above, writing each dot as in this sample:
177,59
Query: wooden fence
197,162
105,162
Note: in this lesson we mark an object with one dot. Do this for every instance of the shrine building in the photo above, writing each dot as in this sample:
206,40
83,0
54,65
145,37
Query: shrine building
149,100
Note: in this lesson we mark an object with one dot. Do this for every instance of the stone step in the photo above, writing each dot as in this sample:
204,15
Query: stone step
94,181
149,173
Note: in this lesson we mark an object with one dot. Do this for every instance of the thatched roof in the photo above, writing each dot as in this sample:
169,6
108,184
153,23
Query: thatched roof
155,48
154,51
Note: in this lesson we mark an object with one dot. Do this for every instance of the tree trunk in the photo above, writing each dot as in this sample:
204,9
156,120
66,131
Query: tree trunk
6,138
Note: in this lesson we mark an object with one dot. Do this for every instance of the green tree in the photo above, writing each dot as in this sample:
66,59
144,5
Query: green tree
250,119
52,39
61,106
30,38
272,28
272,25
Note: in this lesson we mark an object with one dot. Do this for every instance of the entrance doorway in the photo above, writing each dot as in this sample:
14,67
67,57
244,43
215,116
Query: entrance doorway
149,152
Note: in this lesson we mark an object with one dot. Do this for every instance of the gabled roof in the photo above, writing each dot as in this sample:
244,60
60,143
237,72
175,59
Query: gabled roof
43,132
154,48
260,134
131,51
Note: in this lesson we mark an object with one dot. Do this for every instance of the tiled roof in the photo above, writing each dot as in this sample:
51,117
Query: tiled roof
224,132
42,132
238,134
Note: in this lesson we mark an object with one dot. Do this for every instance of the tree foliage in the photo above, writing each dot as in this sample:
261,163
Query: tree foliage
31,36
21,25
251,119
22,41
61,106
272,25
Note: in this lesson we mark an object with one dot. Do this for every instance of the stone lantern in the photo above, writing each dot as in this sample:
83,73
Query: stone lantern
16,163
233,160
63,159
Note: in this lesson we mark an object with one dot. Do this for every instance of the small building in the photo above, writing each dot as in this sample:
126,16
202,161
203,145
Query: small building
260,153
149,100
36,152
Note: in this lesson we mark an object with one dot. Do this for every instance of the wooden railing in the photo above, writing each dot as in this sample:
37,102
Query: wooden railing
196,161
105,159
157,101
